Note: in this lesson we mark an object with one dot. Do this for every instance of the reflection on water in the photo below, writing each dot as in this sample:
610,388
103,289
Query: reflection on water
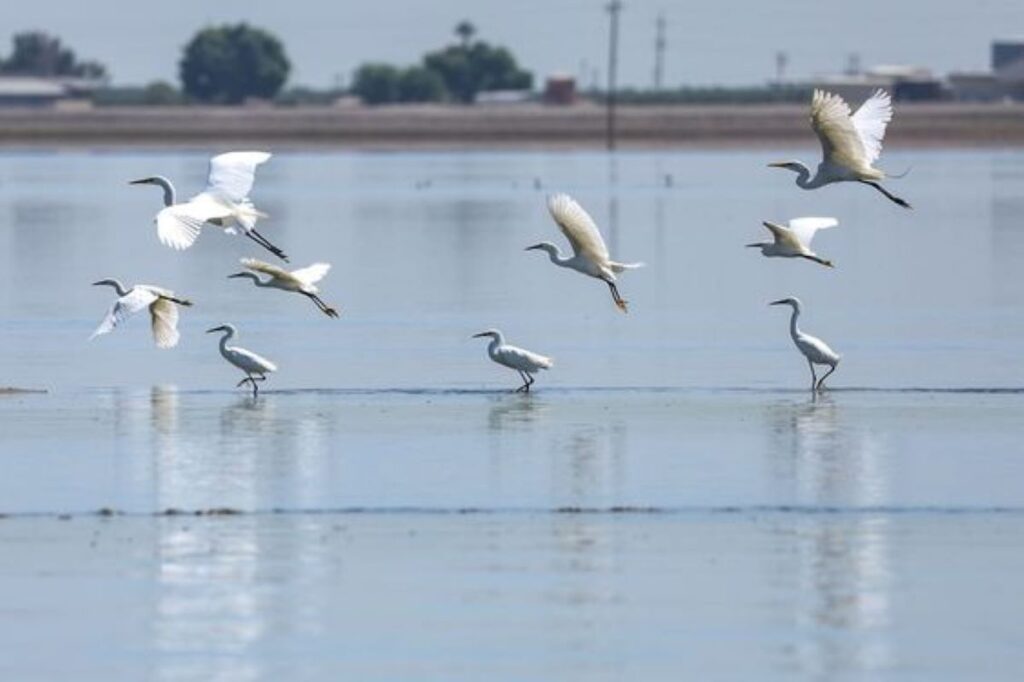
842,572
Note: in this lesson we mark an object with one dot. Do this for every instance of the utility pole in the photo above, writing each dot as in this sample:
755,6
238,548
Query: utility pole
613,8
659,51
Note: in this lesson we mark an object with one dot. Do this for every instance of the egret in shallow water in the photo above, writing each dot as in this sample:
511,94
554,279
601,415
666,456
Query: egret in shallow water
795,241
814,349
590,255
301,281
527,363
225,203
256,367
163,310
850,144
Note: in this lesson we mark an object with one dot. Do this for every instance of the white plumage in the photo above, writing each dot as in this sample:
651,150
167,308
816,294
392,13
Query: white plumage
590,255
302,281
163,310
225,203
814,349
850,144
527,363
794,241
255,366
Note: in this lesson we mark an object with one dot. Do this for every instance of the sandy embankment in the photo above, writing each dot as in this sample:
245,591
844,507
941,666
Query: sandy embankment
580,126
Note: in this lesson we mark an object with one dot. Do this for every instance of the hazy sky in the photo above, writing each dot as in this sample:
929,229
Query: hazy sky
727,41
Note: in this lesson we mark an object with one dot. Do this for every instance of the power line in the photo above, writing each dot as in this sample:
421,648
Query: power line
613,8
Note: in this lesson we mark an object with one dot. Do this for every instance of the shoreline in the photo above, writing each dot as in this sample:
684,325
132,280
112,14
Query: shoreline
490,126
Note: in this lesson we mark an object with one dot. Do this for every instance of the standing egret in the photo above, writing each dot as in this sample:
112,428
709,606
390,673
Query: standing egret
850,144
245,360
814,349
300,281
795,241
224,202
590,255
163,310
521,360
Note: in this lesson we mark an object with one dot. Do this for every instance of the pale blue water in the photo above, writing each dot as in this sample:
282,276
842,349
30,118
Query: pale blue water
671,503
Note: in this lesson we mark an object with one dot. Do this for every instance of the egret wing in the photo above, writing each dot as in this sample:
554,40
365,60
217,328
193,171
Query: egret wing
840,141
251,362
783,236
804,229
312,273
268,269
525,360
232,174
124,307
179,225
870,121
164,322
578,227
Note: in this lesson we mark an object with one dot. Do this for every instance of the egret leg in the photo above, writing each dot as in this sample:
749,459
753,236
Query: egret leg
814,378
179,301
888,195
324,308
619,301
262,241
530,380
821,382
525,388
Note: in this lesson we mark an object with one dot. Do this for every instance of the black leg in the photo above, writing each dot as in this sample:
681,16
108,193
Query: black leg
891,197
814,378
262,241
821,381
618,299
525,388
324,308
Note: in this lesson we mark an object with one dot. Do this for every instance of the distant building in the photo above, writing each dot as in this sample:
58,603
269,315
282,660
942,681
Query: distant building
560,89
1004,82
904,83
30,91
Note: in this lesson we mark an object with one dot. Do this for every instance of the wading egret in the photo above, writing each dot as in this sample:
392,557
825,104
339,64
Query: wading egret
224,202
255,366
795,241
163,310
521,360
814,349
850,145
300,281
590,255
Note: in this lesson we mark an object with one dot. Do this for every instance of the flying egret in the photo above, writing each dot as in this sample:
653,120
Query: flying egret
255,366
163,310
849,144
590,255
814,349
521,360
795,241
224,202
300,281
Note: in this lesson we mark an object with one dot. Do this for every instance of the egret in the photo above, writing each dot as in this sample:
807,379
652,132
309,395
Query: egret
850,144
590,255
795,241
255,366
814,349
163,310
225,203
301,281
527,363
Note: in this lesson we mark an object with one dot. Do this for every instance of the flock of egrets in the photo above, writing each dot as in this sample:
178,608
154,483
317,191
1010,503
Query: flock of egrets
851,143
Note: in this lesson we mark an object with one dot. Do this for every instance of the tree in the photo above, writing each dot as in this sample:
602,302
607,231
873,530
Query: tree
469,69
40,54
420,84
376,83
465,31
228,64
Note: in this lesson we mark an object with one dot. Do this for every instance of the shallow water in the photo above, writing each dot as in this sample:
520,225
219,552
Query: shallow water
671,495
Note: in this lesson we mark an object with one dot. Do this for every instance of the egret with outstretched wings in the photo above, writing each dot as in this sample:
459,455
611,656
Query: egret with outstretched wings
302,281
795,241
163,310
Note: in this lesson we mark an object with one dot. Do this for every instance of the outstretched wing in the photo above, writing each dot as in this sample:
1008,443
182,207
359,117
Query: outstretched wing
124,307
266,268
179,225
232,174
312,273
805,228
164,322
840,142
870,122
578,227
783,236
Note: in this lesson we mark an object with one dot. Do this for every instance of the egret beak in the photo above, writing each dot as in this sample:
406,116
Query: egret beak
96,284
477,336
754,245
778,164
532,248
238,274
781,301
215,329
143,181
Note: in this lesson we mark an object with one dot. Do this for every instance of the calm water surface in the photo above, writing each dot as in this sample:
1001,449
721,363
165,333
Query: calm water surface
669,497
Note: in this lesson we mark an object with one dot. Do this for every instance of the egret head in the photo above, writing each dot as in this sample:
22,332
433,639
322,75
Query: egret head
144,181
543,246
794,166
493,333
221,328
790,301
247,275
107,283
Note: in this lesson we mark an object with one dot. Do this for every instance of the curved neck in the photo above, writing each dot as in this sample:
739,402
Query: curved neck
556,255
804,179
228,333
118,287
255,280
496,341
167,187
794,330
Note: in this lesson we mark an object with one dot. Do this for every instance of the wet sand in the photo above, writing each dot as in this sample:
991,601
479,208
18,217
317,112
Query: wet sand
487,126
